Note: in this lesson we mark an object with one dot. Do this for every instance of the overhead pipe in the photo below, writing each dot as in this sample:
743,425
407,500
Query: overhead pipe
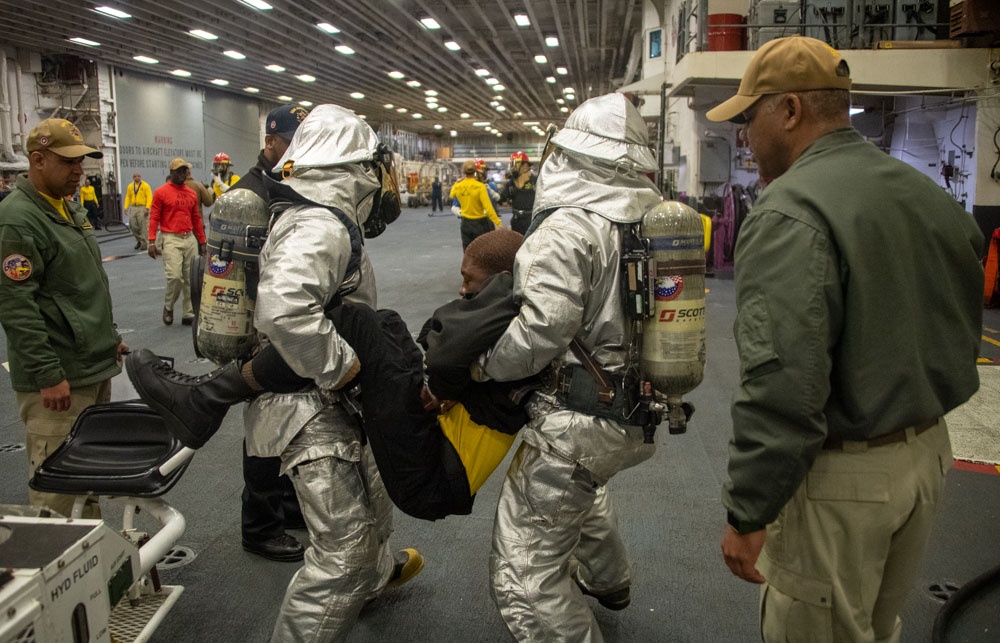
22,120
6,143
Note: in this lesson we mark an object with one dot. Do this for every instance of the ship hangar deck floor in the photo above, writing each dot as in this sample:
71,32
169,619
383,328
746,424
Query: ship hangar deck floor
669,507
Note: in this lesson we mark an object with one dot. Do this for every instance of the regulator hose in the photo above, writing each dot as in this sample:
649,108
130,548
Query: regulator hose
957,601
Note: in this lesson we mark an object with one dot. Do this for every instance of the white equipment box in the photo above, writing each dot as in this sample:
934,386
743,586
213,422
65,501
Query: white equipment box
60,578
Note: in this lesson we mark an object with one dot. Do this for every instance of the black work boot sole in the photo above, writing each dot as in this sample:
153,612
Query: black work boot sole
140,363
616,600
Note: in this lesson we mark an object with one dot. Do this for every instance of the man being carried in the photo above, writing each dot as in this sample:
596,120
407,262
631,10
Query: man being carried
432,456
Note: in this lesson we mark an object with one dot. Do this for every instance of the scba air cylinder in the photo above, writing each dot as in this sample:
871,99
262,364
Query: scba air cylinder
225,328
673,340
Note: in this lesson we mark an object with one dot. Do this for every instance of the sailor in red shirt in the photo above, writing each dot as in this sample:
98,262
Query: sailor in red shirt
176,215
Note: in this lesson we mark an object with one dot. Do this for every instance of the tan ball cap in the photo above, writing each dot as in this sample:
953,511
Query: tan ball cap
178,162
60,137
792,64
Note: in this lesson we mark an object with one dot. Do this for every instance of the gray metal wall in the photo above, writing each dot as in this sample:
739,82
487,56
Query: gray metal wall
159,120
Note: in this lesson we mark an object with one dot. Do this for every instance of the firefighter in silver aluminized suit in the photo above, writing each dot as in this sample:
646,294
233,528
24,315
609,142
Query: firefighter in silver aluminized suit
556,537
309,257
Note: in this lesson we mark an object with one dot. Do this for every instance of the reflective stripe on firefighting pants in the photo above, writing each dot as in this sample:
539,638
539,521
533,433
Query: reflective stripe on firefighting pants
553,523
349,518
46,431
845,550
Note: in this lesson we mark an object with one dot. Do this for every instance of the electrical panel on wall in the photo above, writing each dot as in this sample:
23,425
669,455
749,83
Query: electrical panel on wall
829,21
874,22
714,163
919,19
770,19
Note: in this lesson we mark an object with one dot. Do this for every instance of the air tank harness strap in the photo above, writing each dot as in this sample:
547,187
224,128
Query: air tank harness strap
592,390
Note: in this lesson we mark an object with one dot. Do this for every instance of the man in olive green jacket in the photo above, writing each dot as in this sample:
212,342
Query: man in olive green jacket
859,314
61,341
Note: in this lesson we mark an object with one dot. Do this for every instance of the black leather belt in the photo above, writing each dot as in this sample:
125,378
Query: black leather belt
521,212
887,438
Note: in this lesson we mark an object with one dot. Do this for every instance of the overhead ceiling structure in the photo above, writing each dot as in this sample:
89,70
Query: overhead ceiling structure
423,66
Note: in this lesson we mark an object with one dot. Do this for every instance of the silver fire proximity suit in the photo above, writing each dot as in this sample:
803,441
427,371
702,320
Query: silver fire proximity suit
304,264
554,524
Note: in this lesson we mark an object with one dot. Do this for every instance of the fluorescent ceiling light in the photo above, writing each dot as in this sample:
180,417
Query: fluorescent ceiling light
396,74
481,124
306,78
437,126
220,82
357,95
327,27
492,81
464,115
562,71
540,59
111,11
430,92
494,103
501,108
251,90
146,59
482,72
856,110
183,73
85,42
232,53
413,83
530,123
560,101
285,99
401,110
388,106
204,35
275,68
362,117
442,109
306,103
452,45
550,79
569,90
498,88
418,116
260,5
522,20
344,49
430,23
570,96
453,133
551,41
564,109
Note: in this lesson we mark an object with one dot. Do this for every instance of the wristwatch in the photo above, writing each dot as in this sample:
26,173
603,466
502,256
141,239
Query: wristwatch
743,527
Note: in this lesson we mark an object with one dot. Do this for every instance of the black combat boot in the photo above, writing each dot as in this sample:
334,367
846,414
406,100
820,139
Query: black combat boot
192,407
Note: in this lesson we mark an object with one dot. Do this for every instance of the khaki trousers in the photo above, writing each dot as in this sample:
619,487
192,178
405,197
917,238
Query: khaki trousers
178,251
845,551
46,430
138,223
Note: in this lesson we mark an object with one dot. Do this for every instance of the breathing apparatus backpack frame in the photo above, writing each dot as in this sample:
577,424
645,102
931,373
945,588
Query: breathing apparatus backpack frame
628,398
246,245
